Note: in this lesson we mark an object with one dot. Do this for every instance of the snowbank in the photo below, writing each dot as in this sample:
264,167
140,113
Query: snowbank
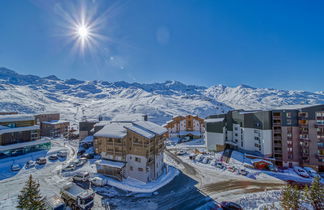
133,185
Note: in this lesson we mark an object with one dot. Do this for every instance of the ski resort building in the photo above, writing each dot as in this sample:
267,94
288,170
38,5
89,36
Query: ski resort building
133,149
185,126
249,131
51,125
19,135
291,136
298,137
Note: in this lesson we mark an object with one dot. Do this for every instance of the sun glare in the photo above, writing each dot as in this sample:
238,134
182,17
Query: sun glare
83,32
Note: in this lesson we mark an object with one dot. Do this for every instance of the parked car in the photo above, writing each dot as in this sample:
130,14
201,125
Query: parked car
81,152
98,181
41,161
53,157
312,172
199,157
219,165
88,156
81,176
15,167
205,160
231,169
213,162
30,163
243,172
300,171
192,156
62,154
181,152
230,206
69,167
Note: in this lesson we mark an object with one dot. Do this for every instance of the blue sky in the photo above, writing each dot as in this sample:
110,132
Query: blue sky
277,44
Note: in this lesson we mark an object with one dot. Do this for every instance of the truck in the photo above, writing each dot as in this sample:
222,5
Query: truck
76,197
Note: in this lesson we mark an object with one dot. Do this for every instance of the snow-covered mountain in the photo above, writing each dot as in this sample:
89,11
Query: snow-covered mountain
246,97
74,98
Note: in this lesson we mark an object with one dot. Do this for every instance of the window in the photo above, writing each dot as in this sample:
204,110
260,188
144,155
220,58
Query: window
131,168
140,169
289,121
288,114
137,159
12,125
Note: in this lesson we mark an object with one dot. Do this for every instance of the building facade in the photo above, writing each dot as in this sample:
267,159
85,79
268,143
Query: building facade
51,125
182,126
249,131
19,134
298,137
135,149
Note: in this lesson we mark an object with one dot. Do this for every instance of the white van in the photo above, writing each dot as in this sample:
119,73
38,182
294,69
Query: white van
81,176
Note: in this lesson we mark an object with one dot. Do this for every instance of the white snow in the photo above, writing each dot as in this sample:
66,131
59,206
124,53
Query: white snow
16,117
54,122
157,129
109,163
134,185
140,131
113,130
19,129
195,133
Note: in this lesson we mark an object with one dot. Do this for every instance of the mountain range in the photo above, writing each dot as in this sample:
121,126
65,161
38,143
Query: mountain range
160,101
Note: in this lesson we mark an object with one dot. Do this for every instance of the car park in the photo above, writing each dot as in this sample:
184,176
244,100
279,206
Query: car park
312,172
15,167
30,163
81,176
41,160
301,172
230,206
53,157
62,154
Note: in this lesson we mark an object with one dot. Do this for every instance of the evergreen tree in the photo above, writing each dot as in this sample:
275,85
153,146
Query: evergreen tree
30,197
290,197
315,194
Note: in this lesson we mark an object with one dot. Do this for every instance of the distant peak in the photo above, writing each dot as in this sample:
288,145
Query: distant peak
245,86
51,77
7,71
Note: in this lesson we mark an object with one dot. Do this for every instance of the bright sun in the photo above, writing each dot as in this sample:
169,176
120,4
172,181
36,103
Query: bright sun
83,32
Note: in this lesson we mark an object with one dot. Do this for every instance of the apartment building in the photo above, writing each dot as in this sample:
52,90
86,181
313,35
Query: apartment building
250,131
19,134
130,149
51,125
182,126
298,137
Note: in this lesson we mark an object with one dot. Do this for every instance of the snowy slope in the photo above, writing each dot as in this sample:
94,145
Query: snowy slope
161,101
246,97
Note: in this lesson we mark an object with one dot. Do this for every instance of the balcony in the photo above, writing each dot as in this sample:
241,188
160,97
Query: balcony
278,145
276,117
277,131
319,156
319,125
277,138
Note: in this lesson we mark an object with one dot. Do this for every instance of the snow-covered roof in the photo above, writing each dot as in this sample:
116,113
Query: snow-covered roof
3,127
102,123
140,131
16,117
24,144
19,129
113,130
54,122
195,133
155,128
109,163
211,120
260,160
